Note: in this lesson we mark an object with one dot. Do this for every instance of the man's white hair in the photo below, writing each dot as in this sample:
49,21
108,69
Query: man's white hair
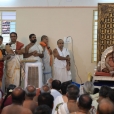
88,87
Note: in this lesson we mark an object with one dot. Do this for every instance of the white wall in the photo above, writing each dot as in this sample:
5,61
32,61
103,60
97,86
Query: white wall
46,3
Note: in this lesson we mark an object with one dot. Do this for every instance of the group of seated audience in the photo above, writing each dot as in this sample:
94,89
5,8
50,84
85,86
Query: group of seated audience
58,98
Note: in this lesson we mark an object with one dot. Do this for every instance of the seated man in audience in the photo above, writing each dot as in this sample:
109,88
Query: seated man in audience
46,99
30,92
43,89
105,107
42,109
88,88
56,86
33,51
49,82
103,92
71,105
7,98
18,96
109,63
62,98
111,95
84,104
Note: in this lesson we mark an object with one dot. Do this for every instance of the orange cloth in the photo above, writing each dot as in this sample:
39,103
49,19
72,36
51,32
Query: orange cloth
44,45
19,45
1,54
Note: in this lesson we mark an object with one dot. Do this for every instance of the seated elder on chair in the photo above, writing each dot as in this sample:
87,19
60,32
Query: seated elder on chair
106,65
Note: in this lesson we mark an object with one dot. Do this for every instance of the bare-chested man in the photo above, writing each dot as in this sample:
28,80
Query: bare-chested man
33,51
18,96
30,92
105,107
43,89
71,106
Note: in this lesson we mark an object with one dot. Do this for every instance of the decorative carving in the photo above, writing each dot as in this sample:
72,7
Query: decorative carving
105,27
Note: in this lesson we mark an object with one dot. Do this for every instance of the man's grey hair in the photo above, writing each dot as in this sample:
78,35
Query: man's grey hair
42,90
30,94
88,87
48,83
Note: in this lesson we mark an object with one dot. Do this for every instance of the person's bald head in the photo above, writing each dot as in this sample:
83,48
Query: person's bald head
18,95
85,102
105,107
45,89
30,91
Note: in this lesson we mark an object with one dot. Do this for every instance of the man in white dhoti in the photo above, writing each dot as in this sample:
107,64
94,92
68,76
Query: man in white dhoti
34,53
13,62
61,62
47,59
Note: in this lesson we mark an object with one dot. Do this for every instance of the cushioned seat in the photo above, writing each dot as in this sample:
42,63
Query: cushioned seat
102,74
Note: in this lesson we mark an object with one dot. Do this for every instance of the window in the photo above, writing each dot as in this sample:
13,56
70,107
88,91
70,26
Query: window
7,24
94,35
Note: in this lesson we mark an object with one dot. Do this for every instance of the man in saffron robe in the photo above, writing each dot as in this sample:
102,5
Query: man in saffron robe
13,63
47,59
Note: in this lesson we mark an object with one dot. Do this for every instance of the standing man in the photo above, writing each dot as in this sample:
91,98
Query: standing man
47,59
2,47
13,63
61,62
33,52
1,43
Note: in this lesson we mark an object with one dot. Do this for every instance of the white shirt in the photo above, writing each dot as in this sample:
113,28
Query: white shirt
55,93
61,63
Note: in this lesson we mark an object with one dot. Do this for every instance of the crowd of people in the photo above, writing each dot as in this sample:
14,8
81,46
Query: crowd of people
58,95
58,98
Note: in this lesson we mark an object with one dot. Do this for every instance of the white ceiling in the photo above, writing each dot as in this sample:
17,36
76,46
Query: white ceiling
46,3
